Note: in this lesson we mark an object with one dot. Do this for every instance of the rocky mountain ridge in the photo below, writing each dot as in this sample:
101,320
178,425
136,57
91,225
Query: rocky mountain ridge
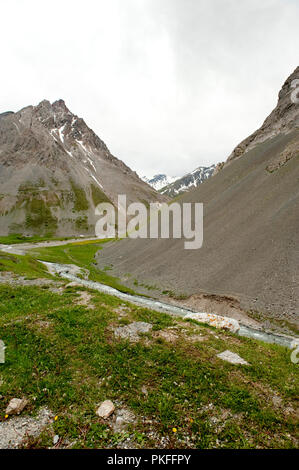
189,181
283,119
54,170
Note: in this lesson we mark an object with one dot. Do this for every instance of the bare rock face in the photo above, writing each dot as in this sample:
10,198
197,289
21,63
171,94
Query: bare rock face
16,406
54,170
105,409
283,119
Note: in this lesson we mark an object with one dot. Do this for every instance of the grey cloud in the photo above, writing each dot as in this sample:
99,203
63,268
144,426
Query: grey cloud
168,84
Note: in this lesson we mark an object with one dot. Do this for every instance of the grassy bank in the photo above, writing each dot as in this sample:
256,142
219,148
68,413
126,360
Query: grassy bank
65,356
82,254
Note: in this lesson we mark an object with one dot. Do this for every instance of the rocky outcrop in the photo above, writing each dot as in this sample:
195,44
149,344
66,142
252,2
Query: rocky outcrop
283,119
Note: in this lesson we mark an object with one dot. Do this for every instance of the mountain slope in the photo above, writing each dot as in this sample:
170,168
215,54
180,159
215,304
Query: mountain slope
251,226
188,181
54,170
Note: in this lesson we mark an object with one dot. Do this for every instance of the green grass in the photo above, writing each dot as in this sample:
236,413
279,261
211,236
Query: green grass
22,266
81,253
74,362
19,238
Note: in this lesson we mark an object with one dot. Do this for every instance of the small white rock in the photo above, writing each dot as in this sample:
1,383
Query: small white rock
231,357
105,409
55,439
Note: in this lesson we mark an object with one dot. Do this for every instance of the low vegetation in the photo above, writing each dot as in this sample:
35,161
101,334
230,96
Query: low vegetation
39,217
98,196
82,254
80,200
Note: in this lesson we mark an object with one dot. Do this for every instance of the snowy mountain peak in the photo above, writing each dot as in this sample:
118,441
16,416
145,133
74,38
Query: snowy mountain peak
173,186
159,181
189,181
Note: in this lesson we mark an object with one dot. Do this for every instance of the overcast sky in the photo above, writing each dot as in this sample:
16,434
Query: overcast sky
168,84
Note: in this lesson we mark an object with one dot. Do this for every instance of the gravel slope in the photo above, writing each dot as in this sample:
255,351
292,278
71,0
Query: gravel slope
251,229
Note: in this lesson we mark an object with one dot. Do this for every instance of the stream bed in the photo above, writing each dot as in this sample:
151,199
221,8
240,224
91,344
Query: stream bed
71,272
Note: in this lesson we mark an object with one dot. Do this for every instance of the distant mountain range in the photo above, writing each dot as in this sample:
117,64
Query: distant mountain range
54,170
173,186
159,181
189,181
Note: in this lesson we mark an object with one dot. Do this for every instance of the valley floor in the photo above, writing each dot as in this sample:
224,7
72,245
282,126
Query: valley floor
69,348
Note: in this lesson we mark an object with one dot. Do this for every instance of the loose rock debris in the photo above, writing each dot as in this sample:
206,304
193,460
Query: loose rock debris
132,331
14,432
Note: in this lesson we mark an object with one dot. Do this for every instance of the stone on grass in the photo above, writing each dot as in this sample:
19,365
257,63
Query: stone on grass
131,332
168,336
73,284
215,320
16,406
105,409
231,357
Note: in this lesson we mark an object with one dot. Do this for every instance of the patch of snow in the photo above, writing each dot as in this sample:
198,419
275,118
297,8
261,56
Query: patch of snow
51,132
91,163
60,131
70,153
96,181
89,154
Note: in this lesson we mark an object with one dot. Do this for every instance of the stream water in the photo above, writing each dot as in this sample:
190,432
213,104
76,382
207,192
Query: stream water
71,272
